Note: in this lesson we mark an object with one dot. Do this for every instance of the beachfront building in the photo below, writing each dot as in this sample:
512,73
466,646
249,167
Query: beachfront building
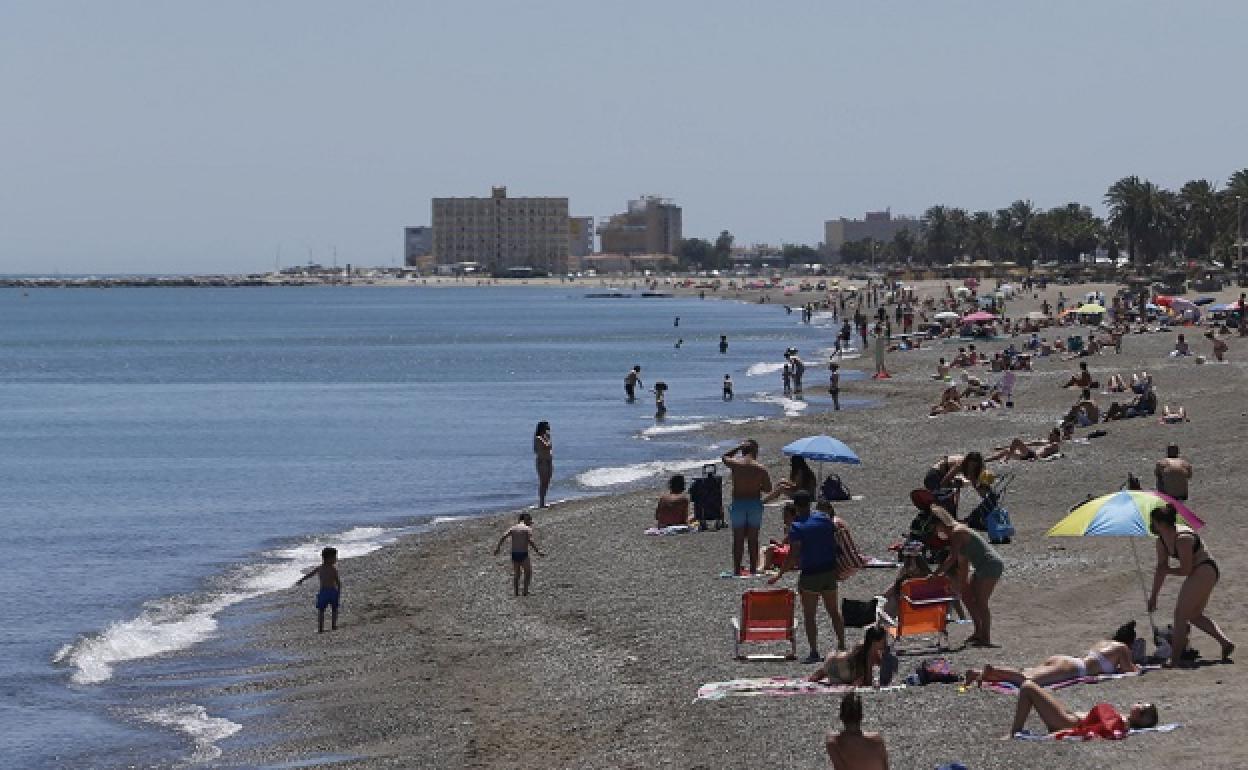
502,233
580,236
878,225
417,243
651,225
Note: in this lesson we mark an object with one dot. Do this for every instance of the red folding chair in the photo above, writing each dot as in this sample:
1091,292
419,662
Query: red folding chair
766,616
923,608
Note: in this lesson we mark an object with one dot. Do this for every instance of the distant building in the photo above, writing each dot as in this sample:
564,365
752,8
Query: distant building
879,225
580,236
650,226
502,233
417,243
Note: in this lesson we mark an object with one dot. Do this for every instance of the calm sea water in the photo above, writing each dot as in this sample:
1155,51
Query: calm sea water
167,454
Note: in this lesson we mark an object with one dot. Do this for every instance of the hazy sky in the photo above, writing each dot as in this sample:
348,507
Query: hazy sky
177,136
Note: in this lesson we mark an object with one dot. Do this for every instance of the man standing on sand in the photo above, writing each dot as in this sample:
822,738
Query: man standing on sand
814,548
1173,473
631,381
750,481
851,748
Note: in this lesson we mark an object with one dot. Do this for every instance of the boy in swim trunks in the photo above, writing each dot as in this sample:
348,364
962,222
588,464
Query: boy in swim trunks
331,587
750,480
521,534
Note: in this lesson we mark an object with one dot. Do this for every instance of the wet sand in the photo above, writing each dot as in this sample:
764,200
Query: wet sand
437,665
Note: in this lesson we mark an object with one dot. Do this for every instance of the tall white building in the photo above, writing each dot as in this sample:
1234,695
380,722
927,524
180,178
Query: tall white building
501,233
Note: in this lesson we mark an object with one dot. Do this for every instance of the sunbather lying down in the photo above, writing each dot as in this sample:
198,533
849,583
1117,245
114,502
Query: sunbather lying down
1030,450
1171,417
1110,656
1056,716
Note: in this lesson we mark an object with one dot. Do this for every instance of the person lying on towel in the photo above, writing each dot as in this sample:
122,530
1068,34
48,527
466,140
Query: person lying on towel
1109,656
1102,721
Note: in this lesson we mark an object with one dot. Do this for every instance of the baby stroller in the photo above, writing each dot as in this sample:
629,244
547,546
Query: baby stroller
989,515
922,534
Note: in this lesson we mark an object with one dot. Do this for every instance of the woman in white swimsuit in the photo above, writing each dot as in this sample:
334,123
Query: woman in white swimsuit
1112,656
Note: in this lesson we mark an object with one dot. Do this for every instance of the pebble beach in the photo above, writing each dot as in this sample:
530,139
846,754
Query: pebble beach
436,664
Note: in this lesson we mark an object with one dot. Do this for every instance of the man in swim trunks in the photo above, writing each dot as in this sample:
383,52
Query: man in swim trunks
631,381
521,534
750,481
1173,473
331,587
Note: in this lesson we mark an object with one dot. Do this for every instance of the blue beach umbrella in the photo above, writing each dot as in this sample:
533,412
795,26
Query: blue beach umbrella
822,449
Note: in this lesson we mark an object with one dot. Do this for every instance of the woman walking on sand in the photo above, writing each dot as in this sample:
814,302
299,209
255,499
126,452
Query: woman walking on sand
1200,574
544,449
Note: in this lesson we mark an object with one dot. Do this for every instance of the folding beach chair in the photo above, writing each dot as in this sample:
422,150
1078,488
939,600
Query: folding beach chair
766,616
924,608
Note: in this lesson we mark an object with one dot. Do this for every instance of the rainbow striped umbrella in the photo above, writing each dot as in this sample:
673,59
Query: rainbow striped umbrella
1124,514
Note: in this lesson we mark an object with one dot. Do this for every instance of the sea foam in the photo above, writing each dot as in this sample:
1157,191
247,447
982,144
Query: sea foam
203,730
682,427
624,474
177,622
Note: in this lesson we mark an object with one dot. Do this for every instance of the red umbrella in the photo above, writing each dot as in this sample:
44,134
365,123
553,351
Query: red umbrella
1163,300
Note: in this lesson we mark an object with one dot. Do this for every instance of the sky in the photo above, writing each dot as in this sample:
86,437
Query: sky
226,136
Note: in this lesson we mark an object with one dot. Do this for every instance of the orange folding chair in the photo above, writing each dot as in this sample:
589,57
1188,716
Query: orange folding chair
766,616
924,608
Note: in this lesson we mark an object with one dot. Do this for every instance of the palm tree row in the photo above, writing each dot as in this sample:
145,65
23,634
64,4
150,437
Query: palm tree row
1146,221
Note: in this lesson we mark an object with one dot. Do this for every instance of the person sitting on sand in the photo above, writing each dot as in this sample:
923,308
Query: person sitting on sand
1085,412
775,552
1141,382
1056,716
851,748
1181,347
942,370
1109,656
1171,417
950,401
1219,347
1030,450
673,507
1116,384
1081,379
1140,405
801,478
854,667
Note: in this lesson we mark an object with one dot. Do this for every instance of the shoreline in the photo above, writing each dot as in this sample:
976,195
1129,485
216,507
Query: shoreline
436,663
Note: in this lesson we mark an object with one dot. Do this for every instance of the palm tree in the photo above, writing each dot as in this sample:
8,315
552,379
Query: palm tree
979,235
1133,212
1021,213
903,244
937,234
1200,207
1236,199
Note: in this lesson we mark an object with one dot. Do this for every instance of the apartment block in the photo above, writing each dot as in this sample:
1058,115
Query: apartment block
502,233
651,225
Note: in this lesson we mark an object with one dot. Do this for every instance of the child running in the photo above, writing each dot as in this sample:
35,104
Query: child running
331,587
521,534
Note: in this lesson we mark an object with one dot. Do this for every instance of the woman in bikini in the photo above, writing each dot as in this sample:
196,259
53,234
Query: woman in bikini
856,666
801,479
1200,574
1110,656
1033,450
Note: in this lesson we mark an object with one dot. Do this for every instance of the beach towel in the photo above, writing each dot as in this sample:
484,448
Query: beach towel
850,559
779,687
727,574
1007,688
1027,735
675,529
874,563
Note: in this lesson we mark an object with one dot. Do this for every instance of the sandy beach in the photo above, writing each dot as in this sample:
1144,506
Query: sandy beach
436,665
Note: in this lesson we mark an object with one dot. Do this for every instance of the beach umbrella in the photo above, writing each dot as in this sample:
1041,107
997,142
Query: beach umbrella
1090,309
1163,300
979,317
946,315
1185,307
1036,315
823,449
1122,514
1204,301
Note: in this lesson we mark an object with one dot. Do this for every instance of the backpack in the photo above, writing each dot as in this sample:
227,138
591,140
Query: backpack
999,527
834,490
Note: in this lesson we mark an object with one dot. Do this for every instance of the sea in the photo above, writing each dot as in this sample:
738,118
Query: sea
168,456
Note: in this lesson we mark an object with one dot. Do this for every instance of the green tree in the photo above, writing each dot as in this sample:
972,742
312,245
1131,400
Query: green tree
1137,213
938,244
798,254
903,246
723,249
1200,208
695,251
979,242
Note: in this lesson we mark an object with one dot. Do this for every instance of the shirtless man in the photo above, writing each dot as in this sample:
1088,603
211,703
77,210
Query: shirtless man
631,381
750,481
1173,473
521,534
851,748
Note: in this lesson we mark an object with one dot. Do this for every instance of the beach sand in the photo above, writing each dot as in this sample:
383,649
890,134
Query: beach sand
436,665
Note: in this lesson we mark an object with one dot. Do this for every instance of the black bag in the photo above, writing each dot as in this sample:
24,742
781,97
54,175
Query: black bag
834,489
707,494
857,613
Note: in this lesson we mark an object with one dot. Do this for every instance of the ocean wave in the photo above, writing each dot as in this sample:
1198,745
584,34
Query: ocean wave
683,427
204,731
624,474
764,367
178,622
791,406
